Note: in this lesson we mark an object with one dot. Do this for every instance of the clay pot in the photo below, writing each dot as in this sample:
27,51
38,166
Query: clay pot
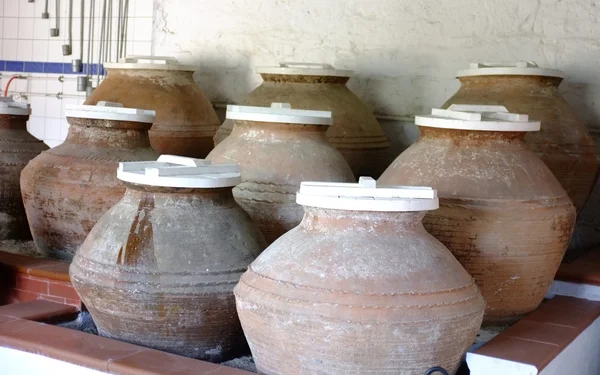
67,188
587,229
17,148
563,142
355,132
359,287
185,120
158,269
503,214
277,148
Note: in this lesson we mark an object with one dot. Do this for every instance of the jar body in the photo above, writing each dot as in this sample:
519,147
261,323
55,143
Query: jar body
185,120
69,187
587,229
159,268
274,160
350,292
355,131
563,143
502,212
17,148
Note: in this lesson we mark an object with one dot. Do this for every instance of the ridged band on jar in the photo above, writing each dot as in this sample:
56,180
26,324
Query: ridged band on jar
512,248
273,311
141,300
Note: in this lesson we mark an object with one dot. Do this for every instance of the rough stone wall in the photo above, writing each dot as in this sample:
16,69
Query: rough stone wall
405,52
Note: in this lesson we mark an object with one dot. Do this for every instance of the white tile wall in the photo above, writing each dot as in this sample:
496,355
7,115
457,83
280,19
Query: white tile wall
25,36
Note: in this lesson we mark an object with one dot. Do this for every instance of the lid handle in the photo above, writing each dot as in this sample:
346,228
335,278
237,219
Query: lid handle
149,59
477,108
281,105
103,103
367,182
182,160
503,64
305,65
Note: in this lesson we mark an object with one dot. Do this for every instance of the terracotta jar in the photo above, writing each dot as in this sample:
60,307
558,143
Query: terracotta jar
563,142
185,120
359,287
502,213
17,148
355,132
158,269
277,148
67,188
587,230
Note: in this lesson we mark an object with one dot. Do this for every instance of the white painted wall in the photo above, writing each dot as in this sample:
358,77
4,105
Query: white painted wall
405,52
15,362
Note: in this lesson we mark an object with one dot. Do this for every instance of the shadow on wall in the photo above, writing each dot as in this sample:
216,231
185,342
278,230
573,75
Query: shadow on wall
214,81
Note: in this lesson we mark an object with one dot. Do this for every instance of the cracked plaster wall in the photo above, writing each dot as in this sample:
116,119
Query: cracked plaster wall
405,52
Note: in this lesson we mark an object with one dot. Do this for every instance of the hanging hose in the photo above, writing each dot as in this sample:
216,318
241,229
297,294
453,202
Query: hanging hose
8,84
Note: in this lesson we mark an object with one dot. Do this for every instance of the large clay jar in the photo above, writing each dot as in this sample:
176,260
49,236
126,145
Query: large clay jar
17,148
277,148
67,188
587,230
563,142
185,120
159,267
355,132
359,287
503,214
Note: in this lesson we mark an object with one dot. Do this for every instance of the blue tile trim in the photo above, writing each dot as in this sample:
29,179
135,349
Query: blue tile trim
33,67
14,66
44,67
53,68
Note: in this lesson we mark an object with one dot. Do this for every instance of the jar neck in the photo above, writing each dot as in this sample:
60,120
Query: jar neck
471,136
188,197
108,133
13,122
299,78
278,131
330,219
514,84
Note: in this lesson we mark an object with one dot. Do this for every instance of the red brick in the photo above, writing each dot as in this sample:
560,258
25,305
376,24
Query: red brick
53,299
73,302
23,282
38,310
61,289
23,295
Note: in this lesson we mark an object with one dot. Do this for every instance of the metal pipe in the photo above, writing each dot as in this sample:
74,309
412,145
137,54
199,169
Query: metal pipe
67,48
90,55
78,63
124,29
54,32
102,31
45,15
109,32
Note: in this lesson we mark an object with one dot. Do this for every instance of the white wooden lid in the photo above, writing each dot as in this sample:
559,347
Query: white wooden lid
280,113
304,69
110,111
180,172
478,117
150,63
8,106
515,68
366,196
